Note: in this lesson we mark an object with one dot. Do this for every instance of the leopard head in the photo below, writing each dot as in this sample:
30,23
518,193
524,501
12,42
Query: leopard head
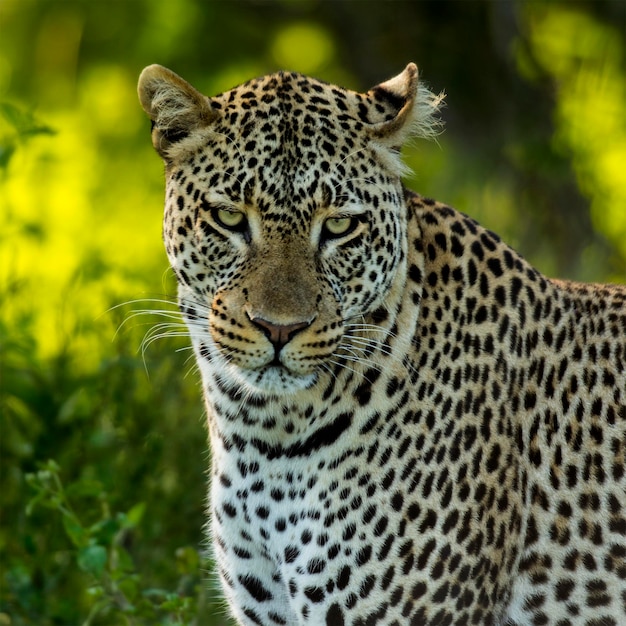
284,216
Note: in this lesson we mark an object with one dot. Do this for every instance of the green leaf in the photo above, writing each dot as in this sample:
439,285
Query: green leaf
6,152
173,603
51,466
187,560
155,595
104,531
84,488
131,588
134,516
78,406
24,122
122,561
96,592
73,529
33,502
93,559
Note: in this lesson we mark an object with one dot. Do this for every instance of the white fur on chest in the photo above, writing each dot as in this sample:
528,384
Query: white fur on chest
297,526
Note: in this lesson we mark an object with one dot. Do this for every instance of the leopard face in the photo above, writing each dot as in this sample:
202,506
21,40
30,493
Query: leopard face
284,226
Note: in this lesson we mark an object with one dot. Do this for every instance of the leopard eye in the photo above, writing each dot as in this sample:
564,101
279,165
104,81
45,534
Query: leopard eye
232,220
339,226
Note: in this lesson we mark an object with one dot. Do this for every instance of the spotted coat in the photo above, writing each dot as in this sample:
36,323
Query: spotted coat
408,423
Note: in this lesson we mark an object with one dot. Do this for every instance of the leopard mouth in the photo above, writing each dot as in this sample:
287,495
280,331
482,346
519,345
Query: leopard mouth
276,377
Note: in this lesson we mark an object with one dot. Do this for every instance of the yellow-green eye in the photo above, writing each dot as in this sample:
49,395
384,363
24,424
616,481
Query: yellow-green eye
339,226
233,220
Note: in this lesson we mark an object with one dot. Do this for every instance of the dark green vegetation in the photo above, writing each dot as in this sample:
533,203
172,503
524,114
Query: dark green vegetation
103,455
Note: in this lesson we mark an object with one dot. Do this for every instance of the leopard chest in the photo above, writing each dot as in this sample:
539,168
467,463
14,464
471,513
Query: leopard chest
300,512
387,502
306,527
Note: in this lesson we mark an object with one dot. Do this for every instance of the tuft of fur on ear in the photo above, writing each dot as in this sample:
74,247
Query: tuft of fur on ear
408,109
174,106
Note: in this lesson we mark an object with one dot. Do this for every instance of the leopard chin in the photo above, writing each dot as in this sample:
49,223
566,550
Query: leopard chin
272,380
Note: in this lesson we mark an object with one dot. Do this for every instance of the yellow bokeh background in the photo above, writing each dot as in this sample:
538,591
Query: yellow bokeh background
79,232
586,60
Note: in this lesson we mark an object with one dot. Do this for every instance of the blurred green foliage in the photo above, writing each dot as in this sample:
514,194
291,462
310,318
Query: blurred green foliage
103,452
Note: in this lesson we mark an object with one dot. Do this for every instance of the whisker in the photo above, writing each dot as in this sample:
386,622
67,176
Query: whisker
357,359
370,328
137,314
367,347
363,336
174,326
343,366
193,368
152,336
165,299
367,328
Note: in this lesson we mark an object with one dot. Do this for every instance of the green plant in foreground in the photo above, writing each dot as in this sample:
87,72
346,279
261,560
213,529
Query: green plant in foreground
101,552
17,124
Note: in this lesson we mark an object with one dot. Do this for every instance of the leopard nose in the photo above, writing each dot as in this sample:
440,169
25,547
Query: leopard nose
279,334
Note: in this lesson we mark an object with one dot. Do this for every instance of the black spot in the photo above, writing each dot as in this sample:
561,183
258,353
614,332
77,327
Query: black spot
457,247
363,392
364,555
367,585
255,588
291,554
478,251
315,594
441,241
229,509
316,566
397,501
263,512
334,616
493,462
253,617
495,266
325,436
379,316
370,424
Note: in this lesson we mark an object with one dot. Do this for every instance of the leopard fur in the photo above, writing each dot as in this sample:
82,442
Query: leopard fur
409,424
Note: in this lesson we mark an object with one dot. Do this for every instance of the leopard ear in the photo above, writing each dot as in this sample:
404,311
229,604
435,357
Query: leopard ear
407,108
174,106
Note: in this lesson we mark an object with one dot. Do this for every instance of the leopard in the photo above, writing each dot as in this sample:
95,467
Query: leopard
408,423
